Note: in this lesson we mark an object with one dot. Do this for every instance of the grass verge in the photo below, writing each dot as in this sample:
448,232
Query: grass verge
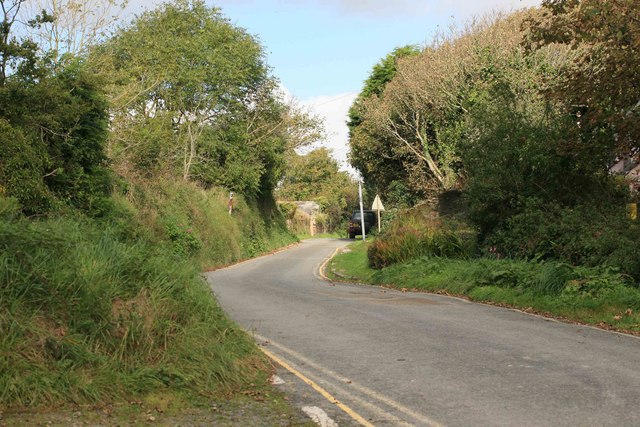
599,297
112,310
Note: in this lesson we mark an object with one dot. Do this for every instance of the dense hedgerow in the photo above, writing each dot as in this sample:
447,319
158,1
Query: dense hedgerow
586,234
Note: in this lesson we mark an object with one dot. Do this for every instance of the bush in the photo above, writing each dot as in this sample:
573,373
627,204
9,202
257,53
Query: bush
585,235
53,151
21,171
184,238
410,237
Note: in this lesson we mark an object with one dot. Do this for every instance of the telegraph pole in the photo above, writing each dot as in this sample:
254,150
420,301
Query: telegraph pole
361,210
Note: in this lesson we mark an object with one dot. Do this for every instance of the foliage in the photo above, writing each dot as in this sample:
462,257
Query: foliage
507,111
192,97
417,234
21,170
87,317
418,122
57,123
371,153
18,55
73,26
581,235
101,295
104,310
184,61
381,74
514,154
598,87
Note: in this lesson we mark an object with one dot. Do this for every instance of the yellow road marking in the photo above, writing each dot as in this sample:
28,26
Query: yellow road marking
319,389
366,391
321,268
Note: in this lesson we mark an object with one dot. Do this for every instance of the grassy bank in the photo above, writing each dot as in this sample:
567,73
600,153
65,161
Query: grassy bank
196,222
113,309
595,296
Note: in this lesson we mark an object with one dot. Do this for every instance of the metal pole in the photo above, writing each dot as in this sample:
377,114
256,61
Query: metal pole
361,210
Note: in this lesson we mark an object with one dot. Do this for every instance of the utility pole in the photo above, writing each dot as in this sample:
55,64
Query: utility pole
361,210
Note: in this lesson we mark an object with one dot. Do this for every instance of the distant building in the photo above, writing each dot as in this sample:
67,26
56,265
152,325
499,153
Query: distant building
630,168
304,218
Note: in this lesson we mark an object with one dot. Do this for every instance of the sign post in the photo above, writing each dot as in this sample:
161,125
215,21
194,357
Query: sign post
377,206
230,203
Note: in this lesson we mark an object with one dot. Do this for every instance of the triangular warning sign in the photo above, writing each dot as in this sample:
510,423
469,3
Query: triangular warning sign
377,204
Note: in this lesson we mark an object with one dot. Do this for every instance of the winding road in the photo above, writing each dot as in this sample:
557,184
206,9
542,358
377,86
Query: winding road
392,358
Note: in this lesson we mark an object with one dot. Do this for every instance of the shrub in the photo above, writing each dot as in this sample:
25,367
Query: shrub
412,237
184,238
21,170
584,235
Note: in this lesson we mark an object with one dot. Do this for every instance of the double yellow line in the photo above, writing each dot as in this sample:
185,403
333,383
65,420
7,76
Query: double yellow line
353,414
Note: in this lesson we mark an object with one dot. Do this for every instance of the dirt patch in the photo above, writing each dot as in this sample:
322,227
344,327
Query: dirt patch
236,412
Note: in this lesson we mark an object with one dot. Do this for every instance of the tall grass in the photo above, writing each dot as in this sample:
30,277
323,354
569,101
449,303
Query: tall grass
87,317
410,237
197,222
100,311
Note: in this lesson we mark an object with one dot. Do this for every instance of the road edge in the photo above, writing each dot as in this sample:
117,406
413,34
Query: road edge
322,275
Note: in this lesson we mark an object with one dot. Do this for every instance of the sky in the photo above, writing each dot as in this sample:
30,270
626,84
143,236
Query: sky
323,50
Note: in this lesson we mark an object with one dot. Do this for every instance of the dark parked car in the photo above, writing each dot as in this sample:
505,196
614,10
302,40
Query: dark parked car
355,224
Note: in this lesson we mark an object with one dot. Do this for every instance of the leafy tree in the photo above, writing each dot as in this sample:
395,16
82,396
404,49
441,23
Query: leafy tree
193,97
381,74
381,166
185,60
599,86
56,124
418,120
18,55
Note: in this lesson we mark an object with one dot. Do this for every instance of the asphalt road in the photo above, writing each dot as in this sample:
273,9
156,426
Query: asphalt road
418,359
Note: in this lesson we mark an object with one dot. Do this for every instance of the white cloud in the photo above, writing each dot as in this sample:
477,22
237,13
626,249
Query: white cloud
467,8
334,110
394,8
460,9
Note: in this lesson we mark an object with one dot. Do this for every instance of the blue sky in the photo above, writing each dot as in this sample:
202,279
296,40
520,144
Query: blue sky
328,47
323,50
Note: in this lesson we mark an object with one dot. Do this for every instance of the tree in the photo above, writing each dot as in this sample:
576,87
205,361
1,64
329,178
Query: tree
17,54
599,86
188,60
55,125
75,25
417,121
381,74
193,97
381,165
